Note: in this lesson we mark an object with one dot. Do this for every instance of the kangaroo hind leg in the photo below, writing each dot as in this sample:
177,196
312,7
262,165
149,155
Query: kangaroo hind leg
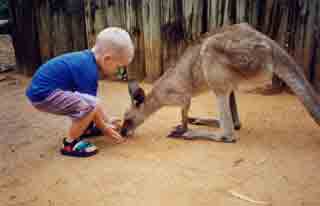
227,127
211,122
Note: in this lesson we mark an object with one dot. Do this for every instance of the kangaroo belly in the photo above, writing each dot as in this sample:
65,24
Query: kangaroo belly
261,76
198,80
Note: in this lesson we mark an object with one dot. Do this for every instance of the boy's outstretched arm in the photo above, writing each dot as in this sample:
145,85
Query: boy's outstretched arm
107,128
115,123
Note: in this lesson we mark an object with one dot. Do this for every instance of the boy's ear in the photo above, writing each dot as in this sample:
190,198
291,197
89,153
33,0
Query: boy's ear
136,93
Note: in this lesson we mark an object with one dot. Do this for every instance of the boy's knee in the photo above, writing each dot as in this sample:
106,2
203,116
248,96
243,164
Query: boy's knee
97,100
98,107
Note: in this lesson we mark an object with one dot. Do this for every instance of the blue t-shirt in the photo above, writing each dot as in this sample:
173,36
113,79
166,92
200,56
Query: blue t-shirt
77,71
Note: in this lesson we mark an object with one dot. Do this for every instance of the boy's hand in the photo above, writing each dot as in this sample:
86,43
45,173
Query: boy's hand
115,124
110,131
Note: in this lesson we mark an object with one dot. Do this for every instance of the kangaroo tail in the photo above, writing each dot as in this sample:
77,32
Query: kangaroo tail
292,74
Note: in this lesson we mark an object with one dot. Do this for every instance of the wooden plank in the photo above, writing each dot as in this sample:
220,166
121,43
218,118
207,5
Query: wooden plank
25,35
134,23
314,63
241,8
172,32
44,29
88,10
276,29
212,20
129,18
192,14
59,33
75,16
60,26
96,18
152,39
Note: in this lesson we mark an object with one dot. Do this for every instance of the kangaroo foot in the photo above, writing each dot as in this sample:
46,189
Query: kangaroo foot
209,122
205,135
204,121
187,134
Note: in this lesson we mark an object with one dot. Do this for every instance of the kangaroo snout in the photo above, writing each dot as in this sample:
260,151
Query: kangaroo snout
126,128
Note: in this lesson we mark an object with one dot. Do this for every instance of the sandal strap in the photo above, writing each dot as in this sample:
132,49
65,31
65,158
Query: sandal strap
91,131
66,143
82,146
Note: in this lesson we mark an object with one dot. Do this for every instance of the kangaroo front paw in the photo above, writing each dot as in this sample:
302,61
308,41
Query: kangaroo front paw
237,126
194,121
178,132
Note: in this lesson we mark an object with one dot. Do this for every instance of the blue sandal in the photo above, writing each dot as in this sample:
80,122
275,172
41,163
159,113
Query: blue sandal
78,148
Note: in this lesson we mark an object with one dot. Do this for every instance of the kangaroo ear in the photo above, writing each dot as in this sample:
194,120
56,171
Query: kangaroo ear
136,93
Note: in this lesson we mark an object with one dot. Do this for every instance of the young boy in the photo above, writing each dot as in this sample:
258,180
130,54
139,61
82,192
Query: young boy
67,85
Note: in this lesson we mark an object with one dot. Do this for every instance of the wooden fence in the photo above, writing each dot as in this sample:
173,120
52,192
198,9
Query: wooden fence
160,28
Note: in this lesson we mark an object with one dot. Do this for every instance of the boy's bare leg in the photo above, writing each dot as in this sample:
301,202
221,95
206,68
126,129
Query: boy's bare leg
79,126
97,116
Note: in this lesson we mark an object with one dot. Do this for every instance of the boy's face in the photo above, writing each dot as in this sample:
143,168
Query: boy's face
109,65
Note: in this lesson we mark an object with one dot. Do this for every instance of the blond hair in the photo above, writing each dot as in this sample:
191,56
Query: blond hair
116,41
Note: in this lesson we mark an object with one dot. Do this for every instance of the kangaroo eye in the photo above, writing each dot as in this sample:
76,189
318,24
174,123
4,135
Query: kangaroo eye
138,97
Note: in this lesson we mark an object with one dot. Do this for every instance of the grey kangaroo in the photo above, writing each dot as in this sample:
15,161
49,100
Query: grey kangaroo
219,62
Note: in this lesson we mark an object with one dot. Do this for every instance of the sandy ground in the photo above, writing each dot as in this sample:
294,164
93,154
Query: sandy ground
276,159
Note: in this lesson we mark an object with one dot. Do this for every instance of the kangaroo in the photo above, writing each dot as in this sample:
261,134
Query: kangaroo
220,62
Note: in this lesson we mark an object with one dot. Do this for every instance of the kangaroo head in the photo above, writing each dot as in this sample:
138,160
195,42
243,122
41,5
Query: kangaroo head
137,112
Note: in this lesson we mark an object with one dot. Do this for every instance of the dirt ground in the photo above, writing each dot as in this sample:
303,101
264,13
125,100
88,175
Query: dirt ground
276,159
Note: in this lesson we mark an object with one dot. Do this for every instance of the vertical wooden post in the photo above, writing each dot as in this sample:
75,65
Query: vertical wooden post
25,35
277,22
172,31
232,10
67,22
76,16
133,21
44,29
192,13
314,64
211,14
152,39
